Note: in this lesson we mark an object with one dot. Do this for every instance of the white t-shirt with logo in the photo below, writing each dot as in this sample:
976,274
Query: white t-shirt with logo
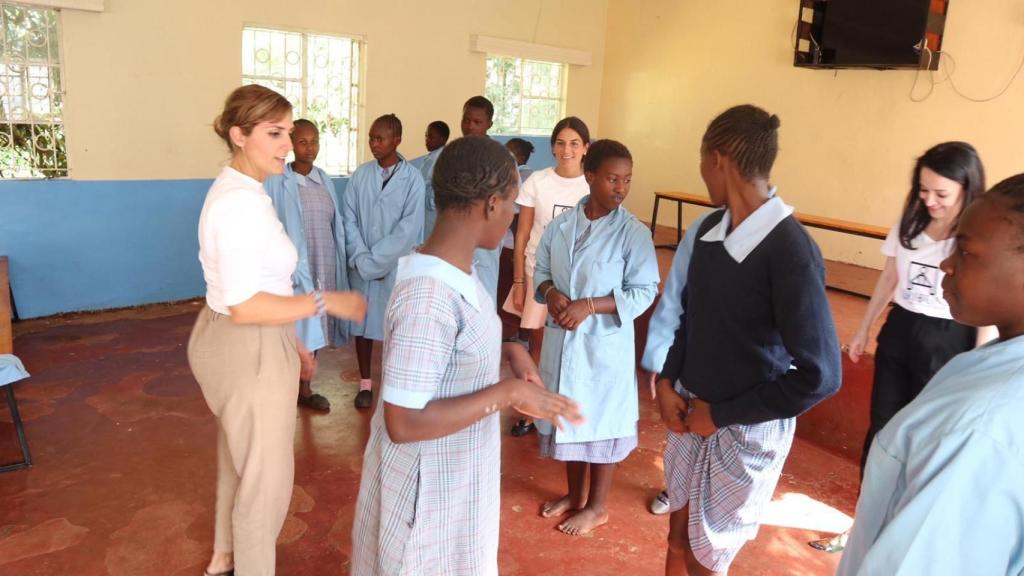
919,288
242,245
549,195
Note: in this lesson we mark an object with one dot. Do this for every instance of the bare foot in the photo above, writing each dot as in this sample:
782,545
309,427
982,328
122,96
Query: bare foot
584,521
553,508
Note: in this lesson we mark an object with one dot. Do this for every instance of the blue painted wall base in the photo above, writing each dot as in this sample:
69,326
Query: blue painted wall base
80,245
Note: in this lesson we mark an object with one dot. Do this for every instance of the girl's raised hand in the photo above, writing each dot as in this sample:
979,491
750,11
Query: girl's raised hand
536,402
346,305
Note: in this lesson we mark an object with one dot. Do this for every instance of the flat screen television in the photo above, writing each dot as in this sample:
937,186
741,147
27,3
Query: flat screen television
870,33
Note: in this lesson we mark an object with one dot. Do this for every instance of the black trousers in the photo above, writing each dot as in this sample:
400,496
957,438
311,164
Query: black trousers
912,347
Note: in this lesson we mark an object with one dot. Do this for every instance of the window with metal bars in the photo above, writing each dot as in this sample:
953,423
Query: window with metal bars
528,95
320,76
32,143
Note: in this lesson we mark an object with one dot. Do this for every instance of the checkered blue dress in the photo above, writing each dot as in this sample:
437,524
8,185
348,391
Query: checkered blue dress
432,507
727,479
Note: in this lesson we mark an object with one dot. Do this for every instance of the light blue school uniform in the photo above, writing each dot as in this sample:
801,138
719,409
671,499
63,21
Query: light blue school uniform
284,193
425,164
595,364
382,224
485,263
943,488
667,314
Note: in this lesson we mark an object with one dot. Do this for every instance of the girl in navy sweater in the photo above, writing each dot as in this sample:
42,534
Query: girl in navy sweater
755,348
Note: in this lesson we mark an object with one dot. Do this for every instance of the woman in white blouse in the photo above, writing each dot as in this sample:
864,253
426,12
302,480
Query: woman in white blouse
242,350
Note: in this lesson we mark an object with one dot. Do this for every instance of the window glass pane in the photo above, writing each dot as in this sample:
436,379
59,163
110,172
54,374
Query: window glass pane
32,143
319,76
528,95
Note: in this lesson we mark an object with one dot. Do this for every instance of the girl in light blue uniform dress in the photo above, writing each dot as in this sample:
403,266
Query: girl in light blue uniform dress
383,211
306,202
597,271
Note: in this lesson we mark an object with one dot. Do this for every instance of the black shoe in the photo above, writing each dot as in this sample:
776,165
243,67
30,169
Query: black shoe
315,402
522,428
364,399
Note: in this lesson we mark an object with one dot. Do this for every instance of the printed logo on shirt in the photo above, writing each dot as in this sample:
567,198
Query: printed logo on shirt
923,281
558,209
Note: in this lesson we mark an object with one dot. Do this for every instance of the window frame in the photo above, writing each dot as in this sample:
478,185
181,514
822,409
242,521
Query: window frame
63,92
358,71
562,98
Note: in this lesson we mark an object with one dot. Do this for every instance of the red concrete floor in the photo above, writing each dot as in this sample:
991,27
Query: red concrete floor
123,481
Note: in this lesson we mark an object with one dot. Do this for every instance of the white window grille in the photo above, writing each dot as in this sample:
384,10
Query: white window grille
319,74
528,95
31,93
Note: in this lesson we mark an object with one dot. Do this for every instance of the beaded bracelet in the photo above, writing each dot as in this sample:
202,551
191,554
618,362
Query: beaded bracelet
549,289
318,299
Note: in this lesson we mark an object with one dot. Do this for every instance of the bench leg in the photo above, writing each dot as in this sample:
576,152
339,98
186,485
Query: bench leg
679,222
20,430
654,217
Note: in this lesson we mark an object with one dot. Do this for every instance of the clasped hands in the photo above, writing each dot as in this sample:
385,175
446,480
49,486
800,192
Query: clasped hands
568,314
682,415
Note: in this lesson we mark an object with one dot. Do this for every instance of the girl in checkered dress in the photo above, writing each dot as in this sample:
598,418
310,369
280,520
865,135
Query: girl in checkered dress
430,490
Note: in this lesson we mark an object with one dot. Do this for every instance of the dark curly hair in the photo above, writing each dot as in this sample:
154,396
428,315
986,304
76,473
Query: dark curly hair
471,169
748,135
602,150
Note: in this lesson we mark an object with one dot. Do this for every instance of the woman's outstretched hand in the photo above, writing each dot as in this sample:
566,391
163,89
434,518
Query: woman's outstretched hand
346,305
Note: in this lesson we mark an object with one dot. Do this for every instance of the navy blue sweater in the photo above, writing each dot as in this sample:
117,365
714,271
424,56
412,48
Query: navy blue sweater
757,340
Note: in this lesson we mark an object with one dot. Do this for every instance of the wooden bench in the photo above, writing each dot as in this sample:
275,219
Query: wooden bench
833,224
7,347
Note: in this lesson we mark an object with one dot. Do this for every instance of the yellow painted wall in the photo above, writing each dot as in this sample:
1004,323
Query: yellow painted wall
849,138
145,78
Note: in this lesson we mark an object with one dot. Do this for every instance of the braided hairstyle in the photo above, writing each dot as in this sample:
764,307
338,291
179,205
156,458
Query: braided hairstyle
521,148
389,122
748,135
471,169
1010,194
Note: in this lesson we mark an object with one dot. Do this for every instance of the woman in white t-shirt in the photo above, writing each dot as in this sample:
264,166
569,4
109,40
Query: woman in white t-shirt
545,194
919,335
242,349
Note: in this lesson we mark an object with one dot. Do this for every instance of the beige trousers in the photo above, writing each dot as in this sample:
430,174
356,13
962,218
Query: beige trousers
249,376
